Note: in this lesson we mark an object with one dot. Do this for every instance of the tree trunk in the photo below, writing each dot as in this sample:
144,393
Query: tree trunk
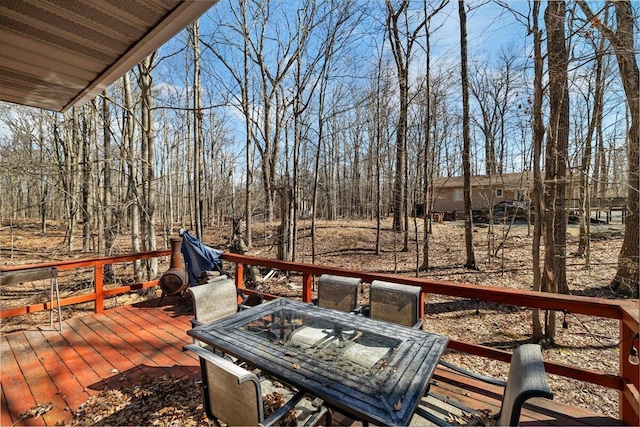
132,191
198,197
538,137
428,159
466,151
427,149
44,182
402,57
594,124
108,220
88,141
72,171
248,126
556,156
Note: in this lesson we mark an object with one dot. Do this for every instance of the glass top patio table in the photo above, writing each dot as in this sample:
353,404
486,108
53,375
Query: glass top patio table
375,371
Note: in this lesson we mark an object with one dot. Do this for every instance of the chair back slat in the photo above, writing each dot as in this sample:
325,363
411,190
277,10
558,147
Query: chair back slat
338,293
527,379
395,303
214,300
231,393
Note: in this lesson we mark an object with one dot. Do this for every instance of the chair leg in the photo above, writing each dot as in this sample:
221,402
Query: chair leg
328,418
161,298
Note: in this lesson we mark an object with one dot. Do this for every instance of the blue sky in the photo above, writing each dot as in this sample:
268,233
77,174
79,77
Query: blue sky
490,28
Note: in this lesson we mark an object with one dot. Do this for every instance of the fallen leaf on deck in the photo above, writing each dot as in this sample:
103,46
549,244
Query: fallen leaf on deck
36,411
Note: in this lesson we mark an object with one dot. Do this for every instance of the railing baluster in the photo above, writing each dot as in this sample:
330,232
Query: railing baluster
631,374
307,283
98,276
239,275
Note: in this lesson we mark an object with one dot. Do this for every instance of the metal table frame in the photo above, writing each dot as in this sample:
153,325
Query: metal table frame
387,397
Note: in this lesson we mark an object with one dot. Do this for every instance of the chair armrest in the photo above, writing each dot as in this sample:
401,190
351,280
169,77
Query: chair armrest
195,323
471,374
201,352
281,412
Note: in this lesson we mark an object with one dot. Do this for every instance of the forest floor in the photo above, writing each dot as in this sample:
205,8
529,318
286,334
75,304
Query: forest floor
589,343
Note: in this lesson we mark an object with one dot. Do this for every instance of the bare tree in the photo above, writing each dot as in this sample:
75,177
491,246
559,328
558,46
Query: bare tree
627,276
594,125
466,151
554,279
538,139
241,75
147,148
398,28
198,173
68,153
333,45
428,160
128,136
493,90
88,139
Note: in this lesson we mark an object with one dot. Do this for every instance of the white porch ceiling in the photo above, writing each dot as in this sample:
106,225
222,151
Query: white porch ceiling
55,54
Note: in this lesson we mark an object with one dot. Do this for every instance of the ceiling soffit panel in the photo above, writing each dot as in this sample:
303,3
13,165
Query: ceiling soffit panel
71,50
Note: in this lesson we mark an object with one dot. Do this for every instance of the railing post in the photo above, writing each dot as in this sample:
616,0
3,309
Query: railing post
307,283
630,374
98,277
239,275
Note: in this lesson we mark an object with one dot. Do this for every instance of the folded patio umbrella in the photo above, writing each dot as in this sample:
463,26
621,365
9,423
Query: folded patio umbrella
199,257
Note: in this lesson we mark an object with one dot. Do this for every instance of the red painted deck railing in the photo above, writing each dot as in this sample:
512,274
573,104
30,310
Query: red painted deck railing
626,382
99,293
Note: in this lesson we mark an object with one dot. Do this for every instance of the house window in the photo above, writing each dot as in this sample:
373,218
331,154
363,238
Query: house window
499,192
457,194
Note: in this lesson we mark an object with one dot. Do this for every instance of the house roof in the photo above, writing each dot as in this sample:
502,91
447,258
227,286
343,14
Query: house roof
517,180
58,54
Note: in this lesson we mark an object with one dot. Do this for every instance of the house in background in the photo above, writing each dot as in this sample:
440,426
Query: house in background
491,190
486,191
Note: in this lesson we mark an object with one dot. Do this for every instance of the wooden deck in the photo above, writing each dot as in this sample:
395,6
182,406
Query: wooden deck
119,346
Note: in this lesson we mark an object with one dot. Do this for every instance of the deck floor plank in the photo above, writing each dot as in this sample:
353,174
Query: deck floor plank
16,393
478,394
89,348
128,341
123,371
40,384
69,387
116,348
130,363
164,319
76,364
172,329
182,364
5,415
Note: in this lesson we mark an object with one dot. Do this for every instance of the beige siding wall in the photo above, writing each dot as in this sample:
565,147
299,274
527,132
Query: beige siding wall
450,199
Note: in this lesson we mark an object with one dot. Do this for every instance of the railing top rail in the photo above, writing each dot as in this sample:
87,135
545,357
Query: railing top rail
88,262
600,307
